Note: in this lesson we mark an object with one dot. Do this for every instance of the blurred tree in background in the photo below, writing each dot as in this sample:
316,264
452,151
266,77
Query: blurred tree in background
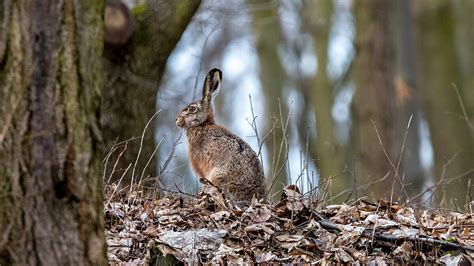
407,100
445,61
134,65
360,89
328,153
374,98
272,75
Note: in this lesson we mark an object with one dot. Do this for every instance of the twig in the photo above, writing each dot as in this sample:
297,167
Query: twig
118,184
384,237
201,60
149,161
401,155
170,191
184,193
170,155
265,137
106,161
322,183
372,236
442,182
468,122
397,175
361,186
283,144
354,178
140,150
253,124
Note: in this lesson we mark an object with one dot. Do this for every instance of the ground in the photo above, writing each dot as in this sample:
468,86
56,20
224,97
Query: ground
298,229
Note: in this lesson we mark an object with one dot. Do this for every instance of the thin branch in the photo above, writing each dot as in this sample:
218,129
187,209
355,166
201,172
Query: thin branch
149,161
283,144
362,186
118,184
140,149
397,175
170,156
384,237
468,122
404,141
253,124
326,181
442,182
201,60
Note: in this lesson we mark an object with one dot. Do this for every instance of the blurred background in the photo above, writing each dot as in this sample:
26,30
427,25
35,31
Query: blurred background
344,98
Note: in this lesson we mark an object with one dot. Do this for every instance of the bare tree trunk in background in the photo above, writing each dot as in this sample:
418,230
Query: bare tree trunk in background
329,155
407,100
267,34
134,72
439,67
374,96
464,40
50,84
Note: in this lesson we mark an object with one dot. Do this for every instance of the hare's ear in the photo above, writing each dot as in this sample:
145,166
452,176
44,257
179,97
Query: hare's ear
212,85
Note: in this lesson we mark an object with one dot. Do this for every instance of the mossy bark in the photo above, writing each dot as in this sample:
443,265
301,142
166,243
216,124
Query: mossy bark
50,84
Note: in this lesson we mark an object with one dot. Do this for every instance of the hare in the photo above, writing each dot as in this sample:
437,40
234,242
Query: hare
216,155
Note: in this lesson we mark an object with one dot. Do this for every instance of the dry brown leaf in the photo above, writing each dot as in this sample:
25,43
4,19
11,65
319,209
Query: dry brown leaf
258,215
380,222
406,216
289,238
259,227
342,256
404,251
220,215
151,231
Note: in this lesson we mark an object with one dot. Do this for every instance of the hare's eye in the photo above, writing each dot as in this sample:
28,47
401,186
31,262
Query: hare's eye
192,109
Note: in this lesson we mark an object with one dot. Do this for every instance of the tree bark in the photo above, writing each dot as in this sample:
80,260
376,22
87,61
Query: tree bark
374,96
134,72
50,84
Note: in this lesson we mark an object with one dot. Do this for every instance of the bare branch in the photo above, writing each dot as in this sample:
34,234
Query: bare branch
468,122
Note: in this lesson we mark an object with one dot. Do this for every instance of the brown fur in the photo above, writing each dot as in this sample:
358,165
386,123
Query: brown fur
217,155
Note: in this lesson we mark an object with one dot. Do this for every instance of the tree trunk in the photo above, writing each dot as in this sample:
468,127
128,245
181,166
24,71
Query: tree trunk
134,72
50,84
267,32
464,41
438,69
406,99
374,96
329,154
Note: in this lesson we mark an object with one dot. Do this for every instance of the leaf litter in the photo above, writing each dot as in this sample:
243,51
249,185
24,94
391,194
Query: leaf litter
211,230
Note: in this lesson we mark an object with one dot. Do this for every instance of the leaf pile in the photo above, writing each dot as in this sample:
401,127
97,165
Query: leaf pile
210,229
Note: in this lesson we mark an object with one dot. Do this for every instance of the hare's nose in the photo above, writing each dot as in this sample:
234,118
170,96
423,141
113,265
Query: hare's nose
179,121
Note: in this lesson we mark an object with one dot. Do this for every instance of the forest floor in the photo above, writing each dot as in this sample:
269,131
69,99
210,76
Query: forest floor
209,229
